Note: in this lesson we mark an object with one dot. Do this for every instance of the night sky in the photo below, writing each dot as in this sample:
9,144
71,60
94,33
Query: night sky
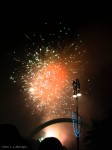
94,26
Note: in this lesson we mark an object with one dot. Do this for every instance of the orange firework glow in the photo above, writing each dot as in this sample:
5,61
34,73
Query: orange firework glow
48,82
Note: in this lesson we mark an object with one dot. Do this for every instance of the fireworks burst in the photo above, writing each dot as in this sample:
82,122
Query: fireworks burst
46,76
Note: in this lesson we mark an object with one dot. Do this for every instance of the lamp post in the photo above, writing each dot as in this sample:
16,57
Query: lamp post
76,94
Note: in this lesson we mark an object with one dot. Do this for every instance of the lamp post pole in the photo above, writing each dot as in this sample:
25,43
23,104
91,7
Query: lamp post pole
76,88
76,101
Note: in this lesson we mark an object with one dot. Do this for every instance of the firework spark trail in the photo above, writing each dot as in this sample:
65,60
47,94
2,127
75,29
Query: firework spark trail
46,77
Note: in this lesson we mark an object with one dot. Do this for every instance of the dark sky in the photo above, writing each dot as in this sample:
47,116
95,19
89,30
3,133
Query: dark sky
93,22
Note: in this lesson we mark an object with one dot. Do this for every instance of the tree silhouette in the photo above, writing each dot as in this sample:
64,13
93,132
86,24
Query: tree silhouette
99,137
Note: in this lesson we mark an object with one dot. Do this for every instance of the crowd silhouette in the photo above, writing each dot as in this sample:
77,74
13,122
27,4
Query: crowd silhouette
10,138
51,143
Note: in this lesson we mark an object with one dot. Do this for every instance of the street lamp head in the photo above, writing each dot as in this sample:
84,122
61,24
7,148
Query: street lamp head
78,84
79,94
74,85
76,88
74,96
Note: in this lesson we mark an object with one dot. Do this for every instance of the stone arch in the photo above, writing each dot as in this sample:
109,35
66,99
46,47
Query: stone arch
54,121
